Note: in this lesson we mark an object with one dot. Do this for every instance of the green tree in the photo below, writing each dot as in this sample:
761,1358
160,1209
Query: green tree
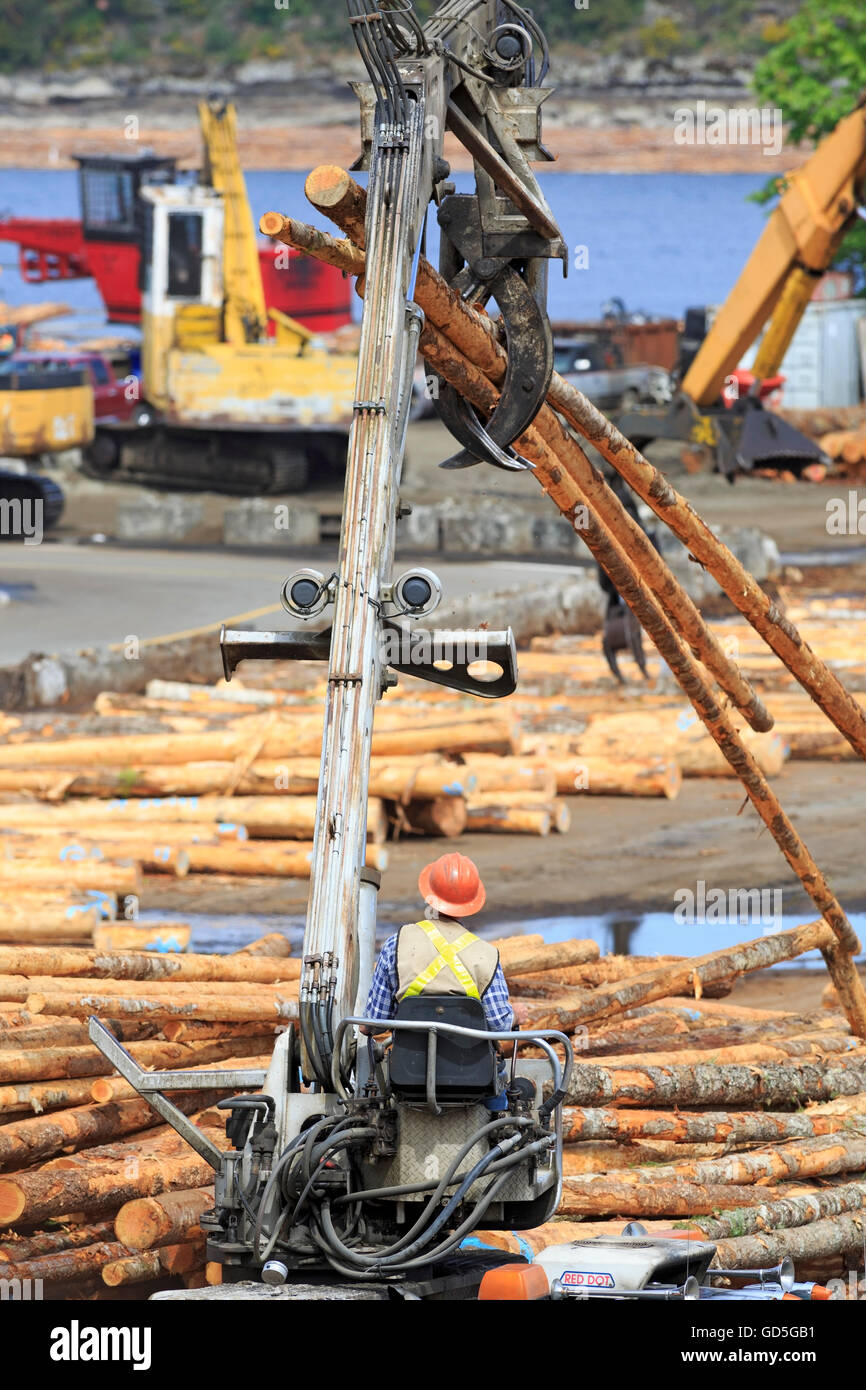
815,76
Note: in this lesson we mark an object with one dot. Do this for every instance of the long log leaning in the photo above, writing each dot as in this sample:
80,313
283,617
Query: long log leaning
333,192
745,593
651,985
473,334
552,472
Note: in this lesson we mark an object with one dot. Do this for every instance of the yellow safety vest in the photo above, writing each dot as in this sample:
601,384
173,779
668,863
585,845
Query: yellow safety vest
483,963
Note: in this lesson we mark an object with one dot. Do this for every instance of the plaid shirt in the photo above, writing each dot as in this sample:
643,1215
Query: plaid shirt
382,999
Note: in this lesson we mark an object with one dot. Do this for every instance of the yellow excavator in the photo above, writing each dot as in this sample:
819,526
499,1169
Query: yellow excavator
231,410
817,207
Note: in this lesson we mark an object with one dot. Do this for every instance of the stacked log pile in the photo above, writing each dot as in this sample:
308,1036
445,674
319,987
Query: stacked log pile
746,1124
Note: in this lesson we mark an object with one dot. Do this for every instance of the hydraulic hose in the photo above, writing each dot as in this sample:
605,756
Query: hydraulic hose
398,1256
448,1180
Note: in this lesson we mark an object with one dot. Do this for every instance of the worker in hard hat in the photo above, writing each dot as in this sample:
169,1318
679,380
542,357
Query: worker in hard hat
437,955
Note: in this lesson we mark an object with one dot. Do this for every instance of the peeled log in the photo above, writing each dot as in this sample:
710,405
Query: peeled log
499,775
140,965
64,1032
164,1220
797,1030
509,820
93,851
108,878
553,956
284,817
598,776
707,1127
141,936
717,965
608,1197
177,1030
40,1096
176,1001
272,944
812,1045
51,924
597,972
50,1063
704,1085
804,1158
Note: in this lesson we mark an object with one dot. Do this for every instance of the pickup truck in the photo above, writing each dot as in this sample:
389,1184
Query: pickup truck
115,398
596,369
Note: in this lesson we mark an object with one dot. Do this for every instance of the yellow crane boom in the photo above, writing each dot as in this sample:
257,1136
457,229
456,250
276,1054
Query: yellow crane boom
797,245
245,312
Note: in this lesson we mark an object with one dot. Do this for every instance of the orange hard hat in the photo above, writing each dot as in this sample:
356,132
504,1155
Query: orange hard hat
453,885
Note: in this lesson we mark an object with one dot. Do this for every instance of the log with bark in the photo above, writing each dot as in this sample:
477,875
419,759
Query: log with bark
786,1213
775,1084
717,965
21,1248
729,1127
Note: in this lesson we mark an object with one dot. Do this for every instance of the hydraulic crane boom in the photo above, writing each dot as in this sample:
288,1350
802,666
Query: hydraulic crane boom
368,1161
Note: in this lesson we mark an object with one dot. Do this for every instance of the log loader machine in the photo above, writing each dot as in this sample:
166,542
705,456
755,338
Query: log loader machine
719,411
232,410
358,1168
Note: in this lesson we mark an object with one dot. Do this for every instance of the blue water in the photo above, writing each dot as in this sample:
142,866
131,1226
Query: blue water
659,242
637,934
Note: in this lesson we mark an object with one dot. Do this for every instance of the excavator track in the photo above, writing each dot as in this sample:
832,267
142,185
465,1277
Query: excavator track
31,487
237,464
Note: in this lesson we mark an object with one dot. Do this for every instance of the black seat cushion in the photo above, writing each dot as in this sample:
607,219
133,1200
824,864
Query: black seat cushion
465,1067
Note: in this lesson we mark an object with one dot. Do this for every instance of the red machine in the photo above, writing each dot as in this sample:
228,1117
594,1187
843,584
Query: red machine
107,244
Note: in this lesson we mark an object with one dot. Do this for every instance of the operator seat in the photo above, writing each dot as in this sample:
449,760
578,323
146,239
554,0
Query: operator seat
465,1067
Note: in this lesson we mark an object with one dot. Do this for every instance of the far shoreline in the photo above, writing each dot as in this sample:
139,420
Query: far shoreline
298,148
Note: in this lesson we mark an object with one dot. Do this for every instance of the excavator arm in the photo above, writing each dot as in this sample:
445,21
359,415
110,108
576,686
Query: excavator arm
816,209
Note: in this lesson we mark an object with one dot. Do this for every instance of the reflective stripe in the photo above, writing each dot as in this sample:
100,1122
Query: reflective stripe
447,957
